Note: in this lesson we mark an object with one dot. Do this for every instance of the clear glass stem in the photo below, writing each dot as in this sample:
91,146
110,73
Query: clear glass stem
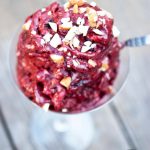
66,132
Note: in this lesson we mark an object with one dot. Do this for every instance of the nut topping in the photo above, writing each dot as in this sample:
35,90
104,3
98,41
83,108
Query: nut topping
66,25
75,9
46,106
47,37
66,82
64,110
55,41
82,10
67,6
33,32
78,2
97,31
68,57
83,30
27,25
104,67
53,26
80,21
76,63
64,20
71,34
75,42
92,63
57,58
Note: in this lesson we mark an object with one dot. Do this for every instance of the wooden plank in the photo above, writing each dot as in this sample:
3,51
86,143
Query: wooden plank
108,133
133,101
4,142
12,107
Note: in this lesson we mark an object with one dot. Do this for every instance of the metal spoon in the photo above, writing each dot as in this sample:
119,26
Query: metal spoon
137,41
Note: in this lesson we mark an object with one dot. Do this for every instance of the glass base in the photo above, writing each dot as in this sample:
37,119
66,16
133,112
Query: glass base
64,132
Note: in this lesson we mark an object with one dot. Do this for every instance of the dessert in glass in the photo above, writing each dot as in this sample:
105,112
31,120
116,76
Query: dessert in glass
68,60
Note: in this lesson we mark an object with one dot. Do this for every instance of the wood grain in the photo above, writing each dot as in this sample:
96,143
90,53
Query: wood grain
133,101
4,142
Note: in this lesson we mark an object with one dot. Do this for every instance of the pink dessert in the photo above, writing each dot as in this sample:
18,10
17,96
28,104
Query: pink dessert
68,56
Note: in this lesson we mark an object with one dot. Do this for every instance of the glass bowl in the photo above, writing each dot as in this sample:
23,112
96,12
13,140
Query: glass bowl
71,129
118,84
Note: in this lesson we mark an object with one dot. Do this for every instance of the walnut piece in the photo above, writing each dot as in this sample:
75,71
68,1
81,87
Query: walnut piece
75,9
92,63
92,17
78,2
104,67
57,58
46,106
66,82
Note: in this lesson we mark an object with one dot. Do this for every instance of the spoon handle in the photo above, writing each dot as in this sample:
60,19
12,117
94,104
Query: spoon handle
138,41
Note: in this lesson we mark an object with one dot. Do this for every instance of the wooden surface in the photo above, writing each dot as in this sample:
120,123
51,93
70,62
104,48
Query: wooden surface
121,125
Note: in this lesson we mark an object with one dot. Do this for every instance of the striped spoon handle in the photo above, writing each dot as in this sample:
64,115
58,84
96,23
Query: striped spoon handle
138,41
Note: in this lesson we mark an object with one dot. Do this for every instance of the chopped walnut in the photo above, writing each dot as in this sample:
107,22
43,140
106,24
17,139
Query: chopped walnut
88,43
75,9
78,2
64,110
67,6
112,89
53,26
55,41
33,32
73,2
104,67
92,17
71,34
28,46
92,63
82,10
27,25
99,32
47,37
66,25
76,63
49,13
66,82
85,49
75,42
46,106
92,21
80,21
83,30
64,20
57,58
90,10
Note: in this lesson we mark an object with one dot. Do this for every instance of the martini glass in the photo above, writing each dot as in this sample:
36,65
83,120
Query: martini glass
65,131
